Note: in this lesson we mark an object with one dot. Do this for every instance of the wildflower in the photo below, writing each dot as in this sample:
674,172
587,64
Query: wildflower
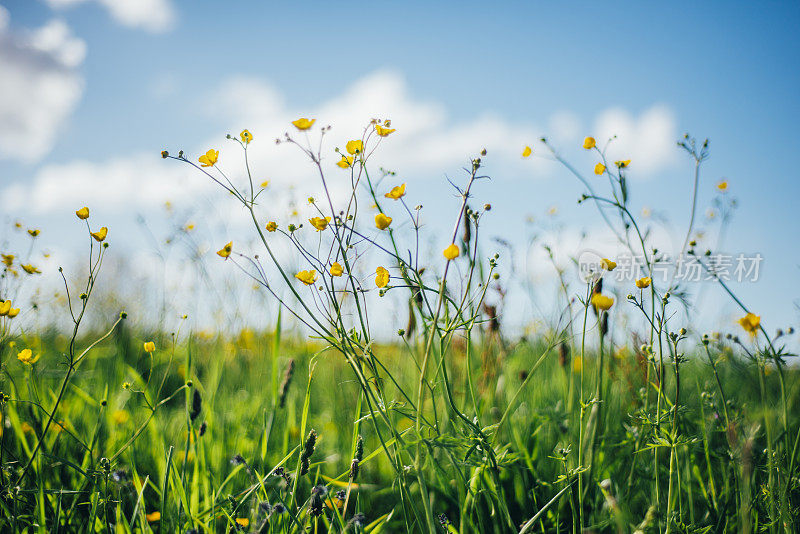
622,163
30,269
209,158
246,136
589,143
381,277
382,221
345,162
722,185
225,251
189,227
320,223
382,131
120,417
83,213
242,522
149,346
397,192
8,259
13,312
164,154
751,323
599,169
307,277
642,283
26,356
272,226
100,235
152,517
602,302
33,232
303,123
526,152
451,252
608,265
355,146
336,269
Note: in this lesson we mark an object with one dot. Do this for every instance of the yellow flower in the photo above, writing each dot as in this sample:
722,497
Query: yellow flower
383,132
152,517
307,277
577,364
265,183
451,252
26,357
100,235
243,521
5,306
607,264
356,146
34,232
527,152
589,143
722,185
750,323
345,162
30,269
622,163
303,123
397,192
209,158
642,283
246,136
599,169
225,251
120,417
189,227
8,259
83,213
272,226
13,312
602,302
149,346
336,269
382,221
320,223
381,277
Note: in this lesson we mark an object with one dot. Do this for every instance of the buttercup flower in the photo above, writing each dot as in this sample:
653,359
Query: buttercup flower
33,232
13,312
100,235
265,183
272,226
307,277
152,517
336,269
303,123
602,302
383,132
225,251
607,264
622,163
164,154
209,158
526,152
722,185
5,306
451,252
243,522
320,223
382,221
30,269
397,192
83,213
751,323
599,169
246,136
345,162
149,346
356,146
381,277
642,283
8,259
589,143
26,357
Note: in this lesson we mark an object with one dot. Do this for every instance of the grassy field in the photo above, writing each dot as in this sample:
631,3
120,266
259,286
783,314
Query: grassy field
454,427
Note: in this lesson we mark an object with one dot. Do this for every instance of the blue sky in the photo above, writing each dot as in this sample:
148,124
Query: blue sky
511,72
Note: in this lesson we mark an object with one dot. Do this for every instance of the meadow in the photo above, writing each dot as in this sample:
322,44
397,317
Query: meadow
591,424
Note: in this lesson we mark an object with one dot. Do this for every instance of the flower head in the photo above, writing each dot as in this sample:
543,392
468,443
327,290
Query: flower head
642,283
307,277
209,158
225,251
246,136
722,185
602,302
451,252
345,162
304,123
382,221
383,131
381,277
30,269
152,517
608,265
272,226
356,146
599,169
622,163
33,232
100,235
8,259
397,192
149,346
526,152
751,323
13,312
83,213
320,223
336,269
26,356
589,143
5,306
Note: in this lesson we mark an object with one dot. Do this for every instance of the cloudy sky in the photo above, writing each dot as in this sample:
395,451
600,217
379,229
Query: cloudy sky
92,90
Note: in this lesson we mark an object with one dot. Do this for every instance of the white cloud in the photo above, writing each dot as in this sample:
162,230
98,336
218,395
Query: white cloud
151,15
648,140
41,87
